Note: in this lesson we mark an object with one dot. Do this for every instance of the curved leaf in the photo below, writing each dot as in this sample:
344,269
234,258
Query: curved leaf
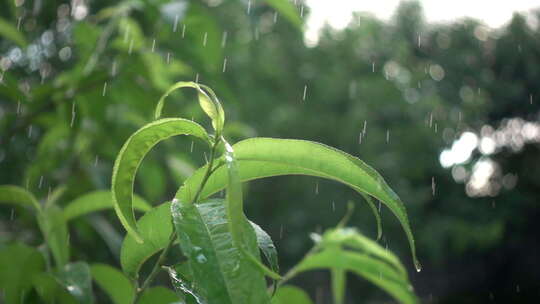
266,245
210,104
291,294
97,201
288,10
155,228
18,196
342,250
113,282
76,278
265,157
10,32
132,154
221,272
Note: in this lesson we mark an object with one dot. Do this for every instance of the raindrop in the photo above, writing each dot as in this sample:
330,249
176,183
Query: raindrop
387,136
104,89
72,115
530,98
197,78
205,38
168,57
333,206
302,11
12,215
281,232
224,65
360,138
373,67
430,119
19,23
365,126
224,39
275,16
417,265
130,46
435,127
316,187
419,41
201,258
113,69
96,161
153,45
175,201
175,25
191,148
30,131
249,7
305,91
433,185
40,182
183,30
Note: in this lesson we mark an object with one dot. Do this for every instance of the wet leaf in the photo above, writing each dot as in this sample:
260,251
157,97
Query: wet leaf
132,154
266,157
97,201
158,295
18,196
76,278
288,10
220,270
291,294
54,228
155,228
266,245
113,282
50,291
18,263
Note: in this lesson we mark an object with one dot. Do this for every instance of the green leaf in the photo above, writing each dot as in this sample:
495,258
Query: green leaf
97,201
114,283
235,210
182,286
9,31
54,228
155,228
266,245
158,295
132,154
210,105
221,272
76,278
18,196
291,294
266,157
373,208
18,263
288,10
334,253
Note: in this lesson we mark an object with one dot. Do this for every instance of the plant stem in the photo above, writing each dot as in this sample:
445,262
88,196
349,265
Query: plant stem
172,238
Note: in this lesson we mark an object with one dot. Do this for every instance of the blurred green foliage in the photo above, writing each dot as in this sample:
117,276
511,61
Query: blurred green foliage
77,78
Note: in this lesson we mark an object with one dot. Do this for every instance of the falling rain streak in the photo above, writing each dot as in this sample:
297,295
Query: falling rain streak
72,115
104,89
224,39
224,65
305,92
433,185
387,136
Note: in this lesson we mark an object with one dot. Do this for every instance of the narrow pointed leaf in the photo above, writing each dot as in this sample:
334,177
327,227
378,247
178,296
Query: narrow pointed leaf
266,245
221,271
76,278
132,154
16,195
155,228
54,228
98,201
291,294
266,157
376,213
113,282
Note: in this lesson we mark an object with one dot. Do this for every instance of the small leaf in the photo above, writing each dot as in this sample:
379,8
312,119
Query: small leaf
266,157
289,295
97,201
132,154
210,105
54,228
114,283
183,288
18,196
18,263
10,32
158,295
76,278
221,272
155,228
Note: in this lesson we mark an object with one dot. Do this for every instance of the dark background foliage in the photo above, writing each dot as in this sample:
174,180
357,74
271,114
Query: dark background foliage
79,77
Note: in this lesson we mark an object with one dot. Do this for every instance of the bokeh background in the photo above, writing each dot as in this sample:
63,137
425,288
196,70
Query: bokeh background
448,112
